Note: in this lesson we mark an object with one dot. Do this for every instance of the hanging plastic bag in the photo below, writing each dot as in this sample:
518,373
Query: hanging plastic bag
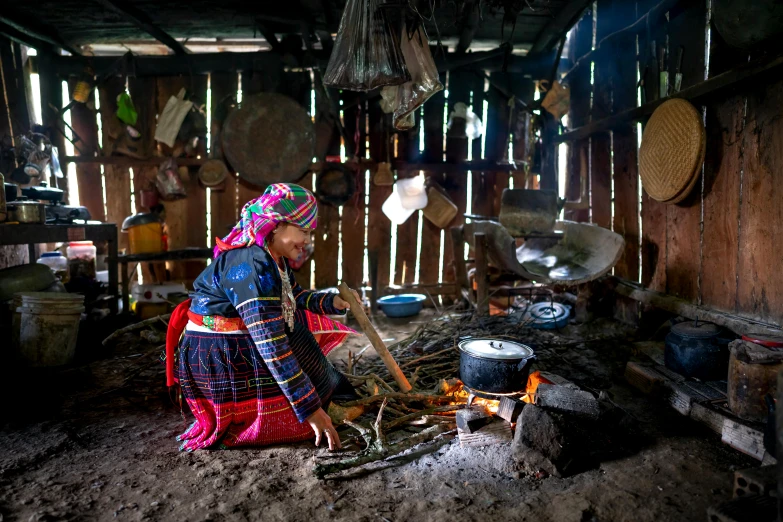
409,195
463,122
388,98
168,182
126,112
424,77
366,53
170,121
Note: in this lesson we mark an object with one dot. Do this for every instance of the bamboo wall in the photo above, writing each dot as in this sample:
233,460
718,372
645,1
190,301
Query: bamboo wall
717,248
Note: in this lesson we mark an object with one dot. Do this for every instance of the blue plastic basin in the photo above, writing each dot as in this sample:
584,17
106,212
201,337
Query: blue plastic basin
405,305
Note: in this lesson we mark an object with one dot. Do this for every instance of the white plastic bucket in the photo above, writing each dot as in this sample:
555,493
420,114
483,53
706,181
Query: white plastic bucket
46,326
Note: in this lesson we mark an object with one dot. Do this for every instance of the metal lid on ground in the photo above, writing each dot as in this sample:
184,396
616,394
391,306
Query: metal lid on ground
547,316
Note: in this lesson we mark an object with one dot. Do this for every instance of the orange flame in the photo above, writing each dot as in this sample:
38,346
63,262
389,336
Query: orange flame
533,381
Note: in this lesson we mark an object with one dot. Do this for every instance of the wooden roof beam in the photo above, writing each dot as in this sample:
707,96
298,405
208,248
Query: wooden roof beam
145,23
468,23
558,26
269,36
202,63
12,33
38,36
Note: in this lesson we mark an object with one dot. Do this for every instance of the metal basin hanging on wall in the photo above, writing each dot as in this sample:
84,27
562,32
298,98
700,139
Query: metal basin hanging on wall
270,138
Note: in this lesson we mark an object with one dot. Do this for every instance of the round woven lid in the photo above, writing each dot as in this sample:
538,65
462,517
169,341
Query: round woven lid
672,150
212,172
695,178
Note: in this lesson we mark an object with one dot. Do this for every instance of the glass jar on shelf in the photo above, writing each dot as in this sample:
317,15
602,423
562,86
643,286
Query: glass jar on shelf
81,260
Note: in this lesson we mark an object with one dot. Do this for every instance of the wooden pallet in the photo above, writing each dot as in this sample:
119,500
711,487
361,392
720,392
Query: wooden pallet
704,402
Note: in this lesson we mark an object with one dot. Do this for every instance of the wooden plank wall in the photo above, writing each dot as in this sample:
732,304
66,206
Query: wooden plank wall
340,243
716,248
579,113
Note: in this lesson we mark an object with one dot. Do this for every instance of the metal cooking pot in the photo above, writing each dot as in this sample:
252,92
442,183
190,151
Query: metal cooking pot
698,349
494,366
27,212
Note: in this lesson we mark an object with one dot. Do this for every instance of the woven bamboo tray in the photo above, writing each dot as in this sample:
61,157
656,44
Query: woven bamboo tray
672,151
679,198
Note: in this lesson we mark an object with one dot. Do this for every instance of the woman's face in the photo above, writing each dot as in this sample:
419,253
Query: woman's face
290,240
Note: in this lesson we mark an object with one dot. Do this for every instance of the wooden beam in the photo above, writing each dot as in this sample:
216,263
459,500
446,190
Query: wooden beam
17,36
397,165
269,36
203,63
697,93
126,161
468,23
142,21
558,26
737,324
35,34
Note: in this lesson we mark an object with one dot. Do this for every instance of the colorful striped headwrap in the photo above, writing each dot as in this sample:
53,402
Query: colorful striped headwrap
281,202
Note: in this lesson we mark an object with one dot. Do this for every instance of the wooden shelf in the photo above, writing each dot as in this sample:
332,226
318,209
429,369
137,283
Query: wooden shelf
132,162
476,166
696,93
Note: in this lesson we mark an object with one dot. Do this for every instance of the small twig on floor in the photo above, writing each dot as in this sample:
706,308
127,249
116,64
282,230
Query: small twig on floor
383,383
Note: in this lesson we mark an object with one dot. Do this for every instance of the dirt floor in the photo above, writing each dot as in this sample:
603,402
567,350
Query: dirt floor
97,442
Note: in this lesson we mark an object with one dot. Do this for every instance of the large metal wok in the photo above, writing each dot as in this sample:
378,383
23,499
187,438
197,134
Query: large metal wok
270,138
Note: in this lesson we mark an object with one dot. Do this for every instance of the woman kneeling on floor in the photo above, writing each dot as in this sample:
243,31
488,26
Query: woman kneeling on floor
252,362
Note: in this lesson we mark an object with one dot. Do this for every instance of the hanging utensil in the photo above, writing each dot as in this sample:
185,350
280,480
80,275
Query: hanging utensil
678,71
663,82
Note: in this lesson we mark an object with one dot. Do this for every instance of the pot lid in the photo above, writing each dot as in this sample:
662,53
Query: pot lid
213,172
140,219
547,313
696,329
495,349
769,340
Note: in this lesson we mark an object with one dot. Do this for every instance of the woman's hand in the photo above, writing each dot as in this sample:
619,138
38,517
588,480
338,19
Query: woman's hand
322,424
342,304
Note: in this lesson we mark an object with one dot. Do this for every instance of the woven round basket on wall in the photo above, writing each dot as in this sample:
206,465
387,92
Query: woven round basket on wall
672,151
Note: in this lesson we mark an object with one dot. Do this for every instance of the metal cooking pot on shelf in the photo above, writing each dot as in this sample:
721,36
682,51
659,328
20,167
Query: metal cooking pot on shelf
27,212
698,349
494,365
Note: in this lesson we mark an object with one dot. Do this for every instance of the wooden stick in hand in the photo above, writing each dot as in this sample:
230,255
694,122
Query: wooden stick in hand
375,339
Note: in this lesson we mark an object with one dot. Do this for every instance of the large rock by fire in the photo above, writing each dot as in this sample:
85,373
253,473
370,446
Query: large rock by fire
562,444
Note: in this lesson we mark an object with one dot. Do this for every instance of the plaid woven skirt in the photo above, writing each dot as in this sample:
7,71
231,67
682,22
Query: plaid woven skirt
233,396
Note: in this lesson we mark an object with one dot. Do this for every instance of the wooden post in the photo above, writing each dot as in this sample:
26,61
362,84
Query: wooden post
113,276
482,277
125,282
375,292
459,263
375,339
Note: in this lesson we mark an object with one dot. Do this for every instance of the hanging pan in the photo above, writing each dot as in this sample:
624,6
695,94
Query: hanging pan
335,184
269,139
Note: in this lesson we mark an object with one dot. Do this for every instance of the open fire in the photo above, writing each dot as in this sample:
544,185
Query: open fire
491,401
